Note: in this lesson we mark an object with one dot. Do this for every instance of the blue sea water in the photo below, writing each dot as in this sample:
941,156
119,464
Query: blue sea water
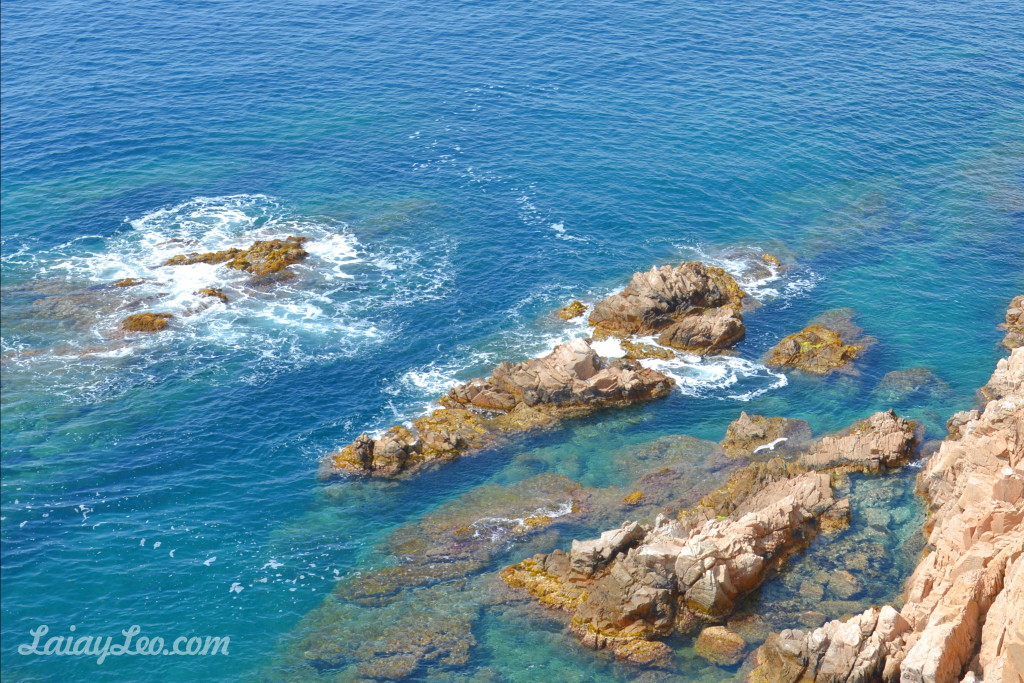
463,168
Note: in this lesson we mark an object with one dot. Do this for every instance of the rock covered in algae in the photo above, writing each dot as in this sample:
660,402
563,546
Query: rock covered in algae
262,258
693,307
213,292
1014,324
721,646
815,349
128,282
572,380
146,322
900,385
572,310
642,583
757,435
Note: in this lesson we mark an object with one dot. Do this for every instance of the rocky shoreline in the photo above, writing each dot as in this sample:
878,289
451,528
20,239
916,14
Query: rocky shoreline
962,618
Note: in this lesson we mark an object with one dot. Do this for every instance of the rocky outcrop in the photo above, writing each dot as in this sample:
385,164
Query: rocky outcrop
962,615
815,349
146,322
692,307
830,343
572,380
757,435
214,293
1014,324
637,584
572,310
263,258
883,440
849,651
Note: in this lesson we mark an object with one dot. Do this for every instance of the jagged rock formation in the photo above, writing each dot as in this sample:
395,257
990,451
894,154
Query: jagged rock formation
263,258
693,307
1014,324
962,619
879,441
572,380
637,584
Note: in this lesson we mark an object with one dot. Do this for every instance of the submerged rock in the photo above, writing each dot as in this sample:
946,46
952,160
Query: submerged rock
900,385
757,435
721,646
146,322
693,307
571,381
264,257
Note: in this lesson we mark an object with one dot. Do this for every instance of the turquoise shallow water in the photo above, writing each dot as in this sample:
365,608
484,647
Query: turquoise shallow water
464,168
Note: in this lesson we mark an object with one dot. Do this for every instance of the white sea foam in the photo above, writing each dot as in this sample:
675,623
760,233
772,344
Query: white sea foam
338,305
721,377
765,282
498,528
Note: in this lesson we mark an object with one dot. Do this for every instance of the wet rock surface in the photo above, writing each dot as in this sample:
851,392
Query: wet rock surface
571,381
957,622
146,322
645,582
829,344
262,258
693,307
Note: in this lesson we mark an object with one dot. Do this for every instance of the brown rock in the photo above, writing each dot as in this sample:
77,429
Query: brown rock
682,304
719,645
750,435
262,258
815,349
214,293
572,380
572,310
1014,324
146,322
129,282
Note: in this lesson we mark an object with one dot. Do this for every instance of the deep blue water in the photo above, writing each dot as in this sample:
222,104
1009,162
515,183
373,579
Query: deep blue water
463,168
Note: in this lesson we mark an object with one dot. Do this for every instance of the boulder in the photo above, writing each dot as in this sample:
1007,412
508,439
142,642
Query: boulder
883,440
719,645
146,322
572,310
693,306
757,435
815,349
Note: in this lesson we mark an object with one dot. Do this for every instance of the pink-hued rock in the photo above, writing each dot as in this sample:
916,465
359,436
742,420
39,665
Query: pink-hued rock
639,583
965,600
879,441
1014,324
694,307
